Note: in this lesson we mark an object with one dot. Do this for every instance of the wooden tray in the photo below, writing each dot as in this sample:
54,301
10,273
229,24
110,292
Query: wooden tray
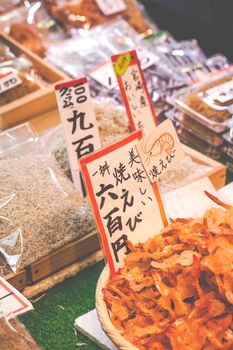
37,102
55,261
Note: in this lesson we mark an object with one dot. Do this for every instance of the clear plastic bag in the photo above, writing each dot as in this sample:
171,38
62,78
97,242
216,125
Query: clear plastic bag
77,55
29,176
32,26
27,79
5,53
86,14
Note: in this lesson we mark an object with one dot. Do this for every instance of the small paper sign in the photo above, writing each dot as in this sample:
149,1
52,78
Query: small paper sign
134,92
78,117
126,205
9,81
109,7
160,150
12,303
104,72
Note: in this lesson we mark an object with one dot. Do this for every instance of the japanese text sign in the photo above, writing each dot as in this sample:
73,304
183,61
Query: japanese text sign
9,81
12,303
160,150
126,205
134,92
79,121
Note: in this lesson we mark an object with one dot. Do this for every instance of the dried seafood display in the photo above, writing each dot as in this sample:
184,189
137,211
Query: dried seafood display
176,290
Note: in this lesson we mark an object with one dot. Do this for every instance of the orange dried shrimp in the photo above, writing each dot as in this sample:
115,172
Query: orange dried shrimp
175,291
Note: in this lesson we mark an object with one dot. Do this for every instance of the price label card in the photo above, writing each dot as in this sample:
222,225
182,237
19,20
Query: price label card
222,93
12,303
126,205
160,150
9,81
134,92
109,7
78,117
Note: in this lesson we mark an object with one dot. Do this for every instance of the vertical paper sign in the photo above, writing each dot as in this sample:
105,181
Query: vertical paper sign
79,121
12,303
134,92
160,150
125,204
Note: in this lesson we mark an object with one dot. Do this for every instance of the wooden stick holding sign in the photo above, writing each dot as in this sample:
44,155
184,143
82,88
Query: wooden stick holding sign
134,92
78,117
124,201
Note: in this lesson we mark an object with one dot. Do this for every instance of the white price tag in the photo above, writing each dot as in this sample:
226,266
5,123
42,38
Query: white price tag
12,303
79,121
160,150
110,7
222,93
9,81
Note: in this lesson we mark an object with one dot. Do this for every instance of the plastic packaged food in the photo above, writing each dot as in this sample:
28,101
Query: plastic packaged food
200,71
199,130
187,137
229,137
32,26
30,228
18,78
85,14
77,55
112,123
210,102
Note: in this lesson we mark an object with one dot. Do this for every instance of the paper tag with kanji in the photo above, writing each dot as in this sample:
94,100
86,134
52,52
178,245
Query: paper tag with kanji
160,150
104,72
109,7
12,302
9,81
126,205
78,117
134,92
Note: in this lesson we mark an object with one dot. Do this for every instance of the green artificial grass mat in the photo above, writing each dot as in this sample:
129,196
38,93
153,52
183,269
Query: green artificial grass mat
52,322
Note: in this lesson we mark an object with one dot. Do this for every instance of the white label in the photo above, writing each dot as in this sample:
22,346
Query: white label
9,81
79,121
12,303
104,73
222,93
109,7
190,200
122,197
160,150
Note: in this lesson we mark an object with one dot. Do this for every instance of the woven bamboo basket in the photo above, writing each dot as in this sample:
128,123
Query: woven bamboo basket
103,315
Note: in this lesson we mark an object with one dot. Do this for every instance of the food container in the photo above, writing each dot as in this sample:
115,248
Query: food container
199,144
210,102
199,130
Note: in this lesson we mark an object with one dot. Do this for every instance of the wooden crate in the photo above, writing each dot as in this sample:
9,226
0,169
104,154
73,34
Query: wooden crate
55,261
36,103
218,173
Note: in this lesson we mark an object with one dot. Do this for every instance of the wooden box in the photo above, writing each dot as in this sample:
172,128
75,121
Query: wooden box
36,103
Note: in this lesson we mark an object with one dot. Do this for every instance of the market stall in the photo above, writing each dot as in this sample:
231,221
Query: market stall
111,130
